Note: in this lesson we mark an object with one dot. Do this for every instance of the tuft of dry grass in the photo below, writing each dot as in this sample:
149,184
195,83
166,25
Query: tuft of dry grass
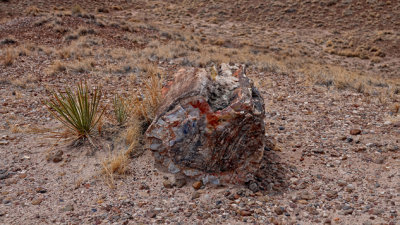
142,109
9,57
77,10
56,67
32,10
116,164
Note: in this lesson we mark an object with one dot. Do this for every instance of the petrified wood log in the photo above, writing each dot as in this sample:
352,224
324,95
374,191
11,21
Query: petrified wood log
210,125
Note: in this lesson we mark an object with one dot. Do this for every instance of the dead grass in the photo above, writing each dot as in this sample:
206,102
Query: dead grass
114,165
56,67
32,11
9,57
142,109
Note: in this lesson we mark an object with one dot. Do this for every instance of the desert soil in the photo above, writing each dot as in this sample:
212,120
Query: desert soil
337,154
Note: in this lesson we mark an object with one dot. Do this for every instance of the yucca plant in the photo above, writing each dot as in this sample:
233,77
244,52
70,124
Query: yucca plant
120,110
78,110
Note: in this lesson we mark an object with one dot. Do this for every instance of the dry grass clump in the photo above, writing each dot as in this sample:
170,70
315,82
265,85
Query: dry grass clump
9,56
56,67
116,164
142,110
77,10
342,78
32,11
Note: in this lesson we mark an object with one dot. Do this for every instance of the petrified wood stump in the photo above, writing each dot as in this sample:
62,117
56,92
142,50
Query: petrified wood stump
210,126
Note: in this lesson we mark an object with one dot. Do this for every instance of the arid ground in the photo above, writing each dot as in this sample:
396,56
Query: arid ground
328,70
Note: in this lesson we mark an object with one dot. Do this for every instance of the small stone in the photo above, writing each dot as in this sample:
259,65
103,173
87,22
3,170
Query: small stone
167,184
245,213
4,142
41,190
37,201
279,210
349,139
318,151
301,201
144,187
4,176
350,188
348,211
380,160
180,182
195,195
355,131
341,183
306,196
197,185
331,194
151,214
67,208
254,187
55,157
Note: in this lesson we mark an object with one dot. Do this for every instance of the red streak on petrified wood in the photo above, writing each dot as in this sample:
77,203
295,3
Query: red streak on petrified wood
204,108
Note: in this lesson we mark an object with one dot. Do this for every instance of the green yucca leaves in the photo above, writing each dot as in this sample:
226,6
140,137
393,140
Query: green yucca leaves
78,110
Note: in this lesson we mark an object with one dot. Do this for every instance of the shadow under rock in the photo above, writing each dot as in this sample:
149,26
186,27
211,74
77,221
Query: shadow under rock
273,175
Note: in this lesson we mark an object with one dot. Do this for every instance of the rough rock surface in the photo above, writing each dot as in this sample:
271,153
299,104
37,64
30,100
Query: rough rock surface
210,126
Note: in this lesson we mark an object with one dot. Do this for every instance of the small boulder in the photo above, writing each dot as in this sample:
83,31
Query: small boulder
210,126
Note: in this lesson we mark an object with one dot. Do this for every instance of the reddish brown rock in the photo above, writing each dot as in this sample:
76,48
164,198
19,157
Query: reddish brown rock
210,126
355,131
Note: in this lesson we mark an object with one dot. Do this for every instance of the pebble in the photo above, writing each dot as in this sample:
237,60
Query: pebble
331,194
350,188
279,210
355,131
67,208
167,184
151,214
197,185
37,201
341,183
179,183
195,195
4,142
55,157
318,151
245,213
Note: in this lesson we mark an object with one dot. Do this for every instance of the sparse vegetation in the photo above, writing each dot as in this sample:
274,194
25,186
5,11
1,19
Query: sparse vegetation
120,110
78,110
9,57
116,164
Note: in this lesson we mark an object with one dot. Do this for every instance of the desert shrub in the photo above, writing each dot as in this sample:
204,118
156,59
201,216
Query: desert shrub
78,110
